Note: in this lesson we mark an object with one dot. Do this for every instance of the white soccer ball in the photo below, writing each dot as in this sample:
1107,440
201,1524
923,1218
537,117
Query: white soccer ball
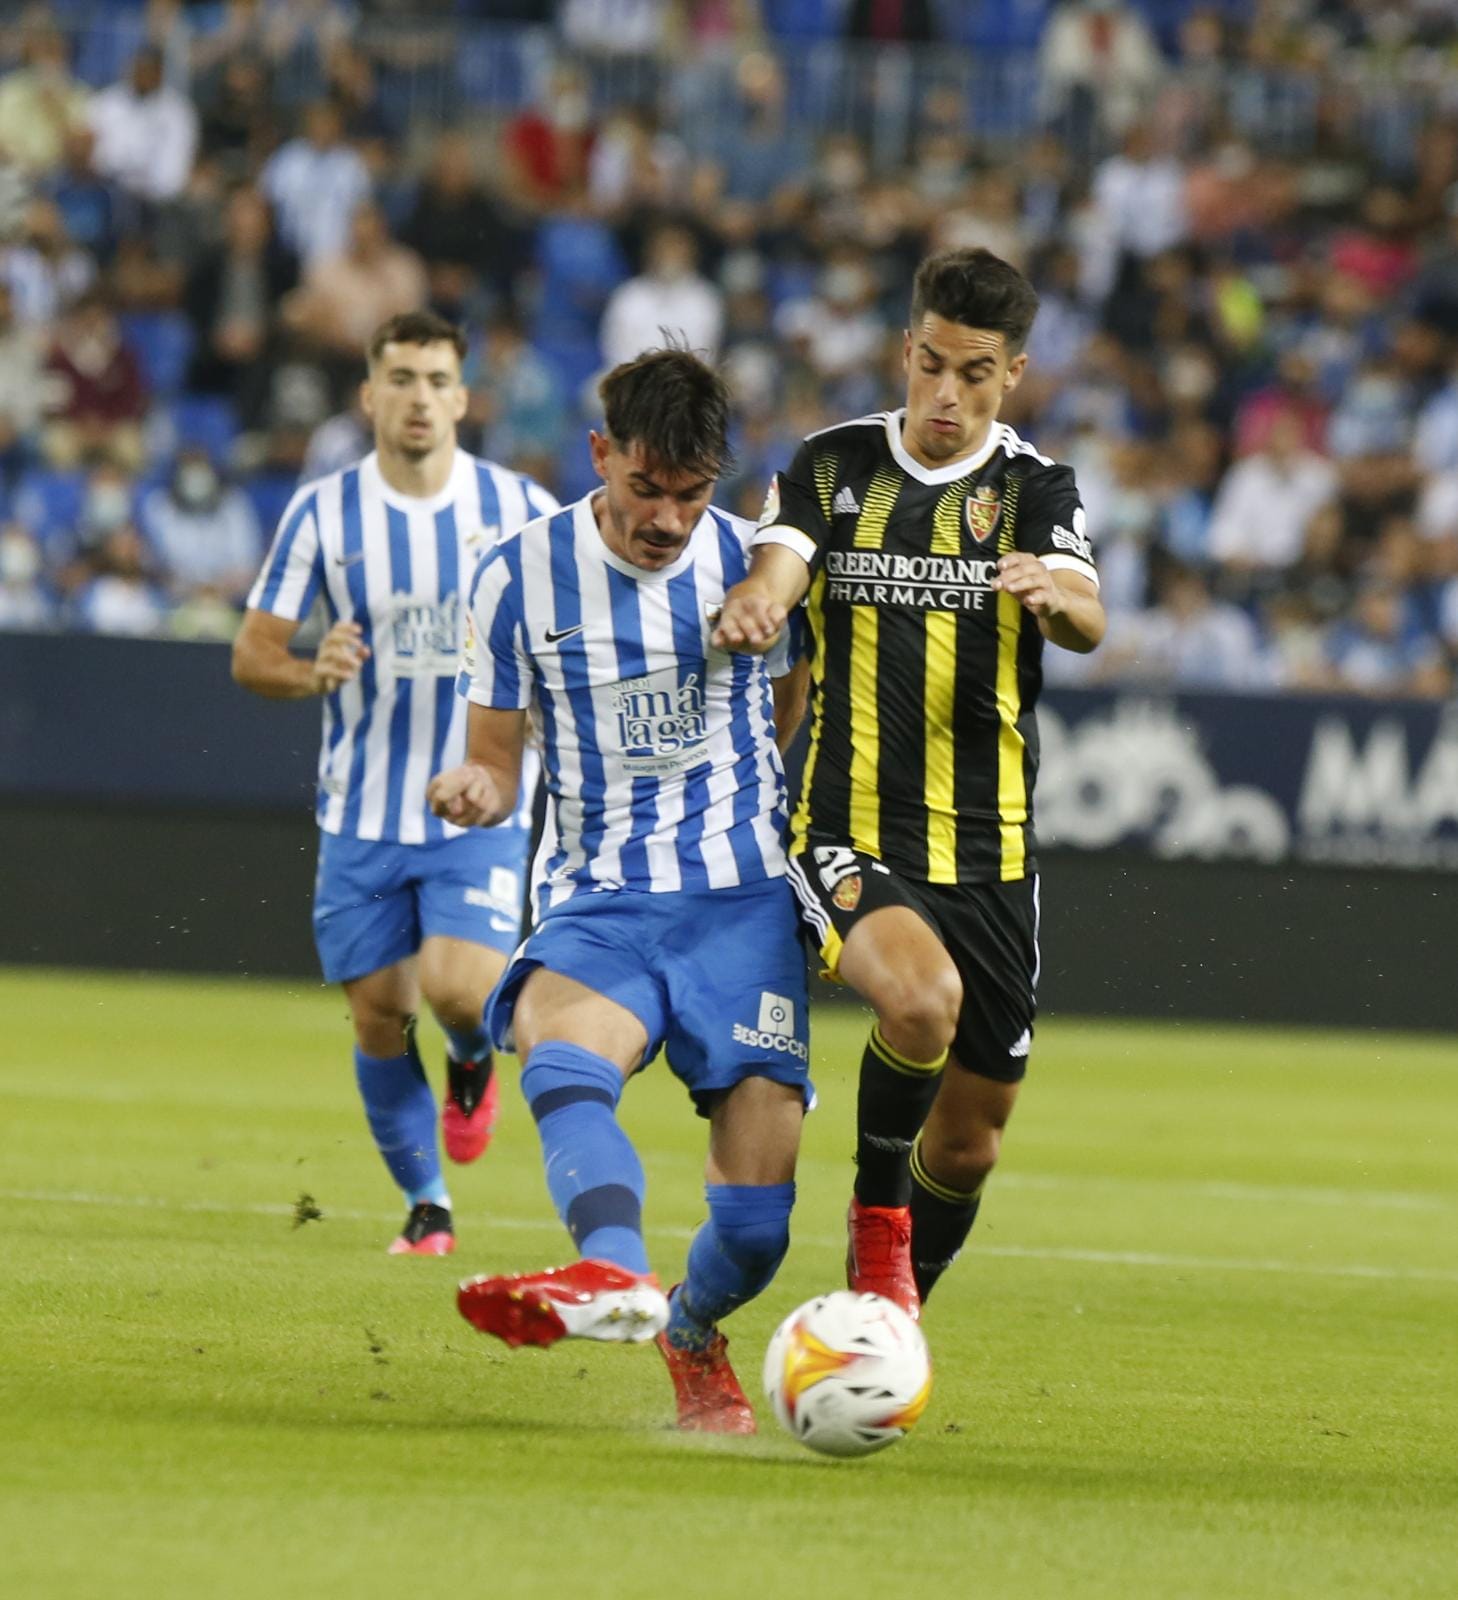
847,1374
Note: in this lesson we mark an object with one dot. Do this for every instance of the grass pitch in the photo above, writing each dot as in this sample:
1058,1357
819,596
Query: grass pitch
1201,1345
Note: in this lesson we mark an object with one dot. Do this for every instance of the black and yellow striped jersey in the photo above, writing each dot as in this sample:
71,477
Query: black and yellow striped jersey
923,741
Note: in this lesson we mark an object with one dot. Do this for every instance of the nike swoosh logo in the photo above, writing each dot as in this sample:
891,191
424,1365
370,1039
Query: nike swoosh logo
349,561
552,635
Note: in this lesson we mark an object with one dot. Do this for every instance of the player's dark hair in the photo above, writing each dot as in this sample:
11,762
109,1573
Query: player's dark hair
675,406
977,289
417,327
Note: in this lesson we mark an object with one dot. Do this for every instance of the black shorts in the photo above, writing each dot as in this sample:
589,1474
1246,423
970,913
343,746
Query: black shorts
990,930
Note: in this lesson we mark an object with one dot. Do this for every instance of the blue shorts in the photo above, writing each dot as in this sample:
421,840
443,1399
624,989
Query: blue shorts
717,977
375,901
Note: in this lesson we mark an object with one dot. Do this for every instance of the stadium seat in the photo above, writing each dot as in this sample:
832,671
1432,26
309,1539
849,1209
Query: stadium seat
575,474
574,359
49,503
208,420
994,24
581,265
107,44
803,19
163,342
494,68
270,493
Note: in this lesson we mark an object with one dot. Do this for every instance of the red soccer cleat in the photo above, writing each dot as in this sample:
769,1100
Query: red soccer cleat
427,1232
468,1112
878,1256
709,1397
588,1300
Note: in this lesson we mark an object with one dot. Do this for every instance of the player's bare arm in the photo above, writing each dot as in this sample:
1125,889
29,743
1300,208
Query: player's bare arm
264,663
755,610
790,694
482,791
1066,604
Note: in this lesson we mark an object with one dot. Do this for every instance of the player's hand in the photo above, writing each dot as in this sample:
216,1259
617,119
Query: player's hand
750,621
1026,578
340,655
465,795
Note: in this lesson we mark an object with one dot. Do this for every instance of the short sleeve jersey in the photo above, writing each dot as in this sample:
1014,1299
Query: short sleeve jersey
924,742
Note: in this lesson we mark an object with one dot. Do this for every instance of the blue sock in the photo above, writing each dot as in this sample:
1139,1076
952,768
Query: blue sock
733,1257
593,1171
473,1046
401,1113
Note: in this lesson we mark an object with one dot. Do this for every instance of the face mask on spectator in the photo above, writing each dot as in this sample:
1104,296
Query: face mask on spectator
108,505
197,484
569,112
19,559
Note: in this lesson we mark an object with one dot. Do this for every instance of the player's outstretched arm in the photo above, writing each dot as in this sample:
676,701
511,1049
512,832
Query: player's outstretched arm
1066,604
263,662
482,791
755,610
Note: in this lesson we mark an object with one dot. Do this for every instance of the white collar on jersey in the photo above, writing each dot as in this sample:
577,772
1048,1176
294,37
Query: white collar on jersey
947,474
369,471
584,522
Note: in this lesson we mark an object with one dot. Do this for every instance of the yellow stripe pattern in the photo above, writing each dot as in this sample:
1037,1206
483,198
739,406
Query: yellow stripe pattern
876,507
825,467
865,728
946,539
900,1063
940,691
1012,789
865,710
919,1174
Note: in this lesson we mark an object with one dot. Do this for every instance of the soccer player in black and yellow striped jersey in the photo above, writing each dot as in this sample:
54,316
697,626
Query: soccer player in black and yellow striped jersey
935,551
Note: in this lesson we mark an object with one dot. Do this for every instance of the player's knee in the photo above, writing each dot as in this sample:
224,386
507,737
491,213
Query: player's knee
381,1030
922,1011
454,1008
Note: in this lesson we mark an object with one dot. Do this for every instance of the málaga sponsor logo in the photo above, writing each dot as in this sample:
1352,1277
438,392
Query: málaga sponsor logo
925,583
1137,771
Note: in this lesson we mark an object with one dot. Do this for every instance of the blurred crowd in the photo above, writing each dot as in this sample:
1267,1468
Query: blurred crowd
1242,219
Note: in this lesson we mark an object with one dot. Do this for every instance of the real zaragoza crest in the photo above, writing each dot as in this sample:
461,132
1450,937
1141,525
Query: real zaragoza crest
984,507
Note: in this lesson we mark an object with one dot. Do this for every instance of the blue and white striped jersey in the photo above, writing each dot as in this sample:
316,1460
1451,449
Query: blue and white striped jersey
659,752
400,568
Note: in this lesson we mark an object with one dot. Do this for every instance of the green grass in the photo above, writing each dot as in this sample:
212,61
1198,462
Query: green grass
1202,1344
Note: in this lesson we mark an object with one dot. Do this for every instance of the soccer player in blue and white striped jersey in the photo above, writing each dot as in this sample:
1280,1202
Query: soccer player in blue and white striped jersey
404,902
665,917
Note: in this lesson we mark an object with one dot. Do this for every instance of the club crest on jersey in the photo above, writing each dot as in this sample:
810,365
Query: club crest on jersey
984,508
847,894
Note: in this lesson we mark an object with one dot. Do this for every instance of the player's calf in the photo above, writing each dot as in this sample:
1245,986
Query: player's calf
732,1259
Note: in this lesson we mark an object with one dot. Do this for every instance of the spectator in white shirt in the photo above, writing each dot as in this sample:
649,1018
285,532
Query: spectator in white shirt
315,184
146,133
1098,65
667,299
1192,641
204,531
1266,501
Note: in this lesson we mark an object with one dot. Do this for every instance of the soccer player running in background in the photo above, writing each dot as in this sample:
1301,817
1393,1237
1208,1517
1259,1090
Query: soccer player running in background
937,551
403,902
664,916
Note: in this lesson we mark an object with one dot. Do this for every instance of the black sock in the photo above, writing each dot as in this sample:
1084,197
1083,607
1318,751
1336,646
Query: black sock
894,1097
941,1219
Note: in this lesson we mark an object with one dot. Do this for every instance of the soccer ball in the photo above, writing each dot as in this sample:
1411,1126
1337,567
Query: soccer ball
847,1374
